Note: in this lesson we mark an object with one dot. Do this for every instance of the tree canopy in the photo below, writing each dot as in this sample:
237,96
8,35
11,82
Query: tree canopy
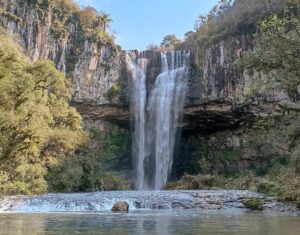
229,18
170,41
38,126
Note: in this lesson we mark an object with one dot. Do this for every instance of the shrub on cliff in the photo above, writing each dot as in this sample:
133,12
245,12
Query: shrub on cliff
277,55
170,42
38,126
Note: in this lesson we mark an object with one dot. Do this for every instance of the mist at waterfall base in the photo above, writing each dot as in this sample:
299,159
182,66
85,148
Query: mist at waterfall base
156,114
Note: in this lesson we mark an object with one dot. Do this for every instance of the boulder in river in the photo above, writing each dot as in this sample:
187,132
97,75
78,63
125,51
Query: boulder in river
120,206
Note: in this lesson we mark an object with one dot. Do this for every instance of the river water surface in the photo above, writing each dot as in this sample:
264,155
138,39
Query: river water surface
150,222
150,212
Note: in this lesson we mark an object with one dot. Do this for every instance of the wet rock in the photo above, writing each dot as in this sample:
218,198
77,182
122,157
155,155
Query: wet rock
298,205
120,206
137,205
214,207
116,114
178,205
160,205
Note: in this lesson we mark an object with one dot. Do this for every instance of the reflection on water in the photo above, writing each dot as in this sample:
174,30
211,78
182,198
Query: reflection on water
150,222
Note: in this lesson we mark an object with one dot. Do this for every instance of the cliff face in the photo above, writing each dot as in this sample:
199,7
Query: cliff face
233,122
96,72
215,74
217,92
92,66
220,96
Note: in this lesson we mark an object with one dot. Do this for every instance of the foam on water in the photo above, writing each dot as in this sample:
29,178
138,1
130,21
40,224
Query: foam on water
137,200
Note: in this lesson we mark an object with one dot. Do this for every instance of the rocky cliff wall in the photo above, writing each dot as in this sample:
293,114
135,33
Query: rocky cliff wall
92,65
212,74
233,119
220,95
217,92
215,74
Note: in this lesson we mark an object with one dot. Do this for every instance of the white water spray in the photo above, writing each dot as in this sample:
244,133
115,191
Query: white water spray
138,106
155,123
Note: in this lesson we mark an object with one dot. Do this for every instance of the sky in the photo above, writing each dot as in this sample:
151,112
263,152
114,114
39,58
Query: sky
138,23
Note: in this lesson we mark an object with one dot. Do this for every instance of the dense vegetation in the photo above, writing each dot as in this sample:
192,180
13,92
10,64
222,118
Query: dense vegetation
42,144
100,165
231,18
93,24
38,126
277,54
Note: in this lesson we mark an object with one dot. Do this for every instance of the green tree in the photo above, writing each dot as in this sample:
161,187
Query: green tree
95,24
94,166
170,42
277,53
38,126
230,18
105,21
89,18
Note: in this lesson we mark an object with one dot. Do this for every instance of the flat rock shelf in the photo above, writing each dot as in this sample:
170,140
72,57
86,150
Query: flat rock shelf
141,200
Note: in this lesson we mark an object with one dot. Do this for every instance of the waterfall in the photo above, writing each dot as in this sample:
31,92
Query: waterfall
138,106
166,103
156,119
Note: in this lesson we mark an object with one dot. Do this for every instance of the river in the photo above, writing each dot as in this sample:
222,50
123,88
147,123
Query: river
150,212
162,222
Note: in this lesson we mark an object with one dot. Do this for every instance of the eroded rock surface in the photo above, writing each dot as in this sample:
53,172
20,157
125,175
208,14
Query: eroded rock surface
92,66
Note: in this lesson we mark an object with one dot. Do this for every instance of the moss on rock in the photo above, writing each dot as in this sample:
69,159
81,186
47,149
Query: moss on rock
254,204
268,187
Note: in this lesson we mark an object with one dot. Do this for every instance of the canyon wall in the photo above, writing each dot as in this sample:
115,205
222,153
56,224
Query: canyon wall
233,119
91,65
97,70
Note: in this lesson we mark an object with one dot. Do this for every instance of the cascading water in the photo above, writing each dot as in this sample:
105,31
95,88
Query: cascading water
155,121
138,108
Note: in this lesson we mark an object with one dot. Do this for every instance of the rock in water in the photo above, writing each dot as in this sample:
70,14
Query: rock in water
120,206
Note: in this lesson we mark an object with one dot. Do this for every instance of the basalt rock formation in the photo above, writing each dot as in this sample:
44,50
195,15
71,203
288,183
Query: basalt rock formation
100,79
92,65
218,94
